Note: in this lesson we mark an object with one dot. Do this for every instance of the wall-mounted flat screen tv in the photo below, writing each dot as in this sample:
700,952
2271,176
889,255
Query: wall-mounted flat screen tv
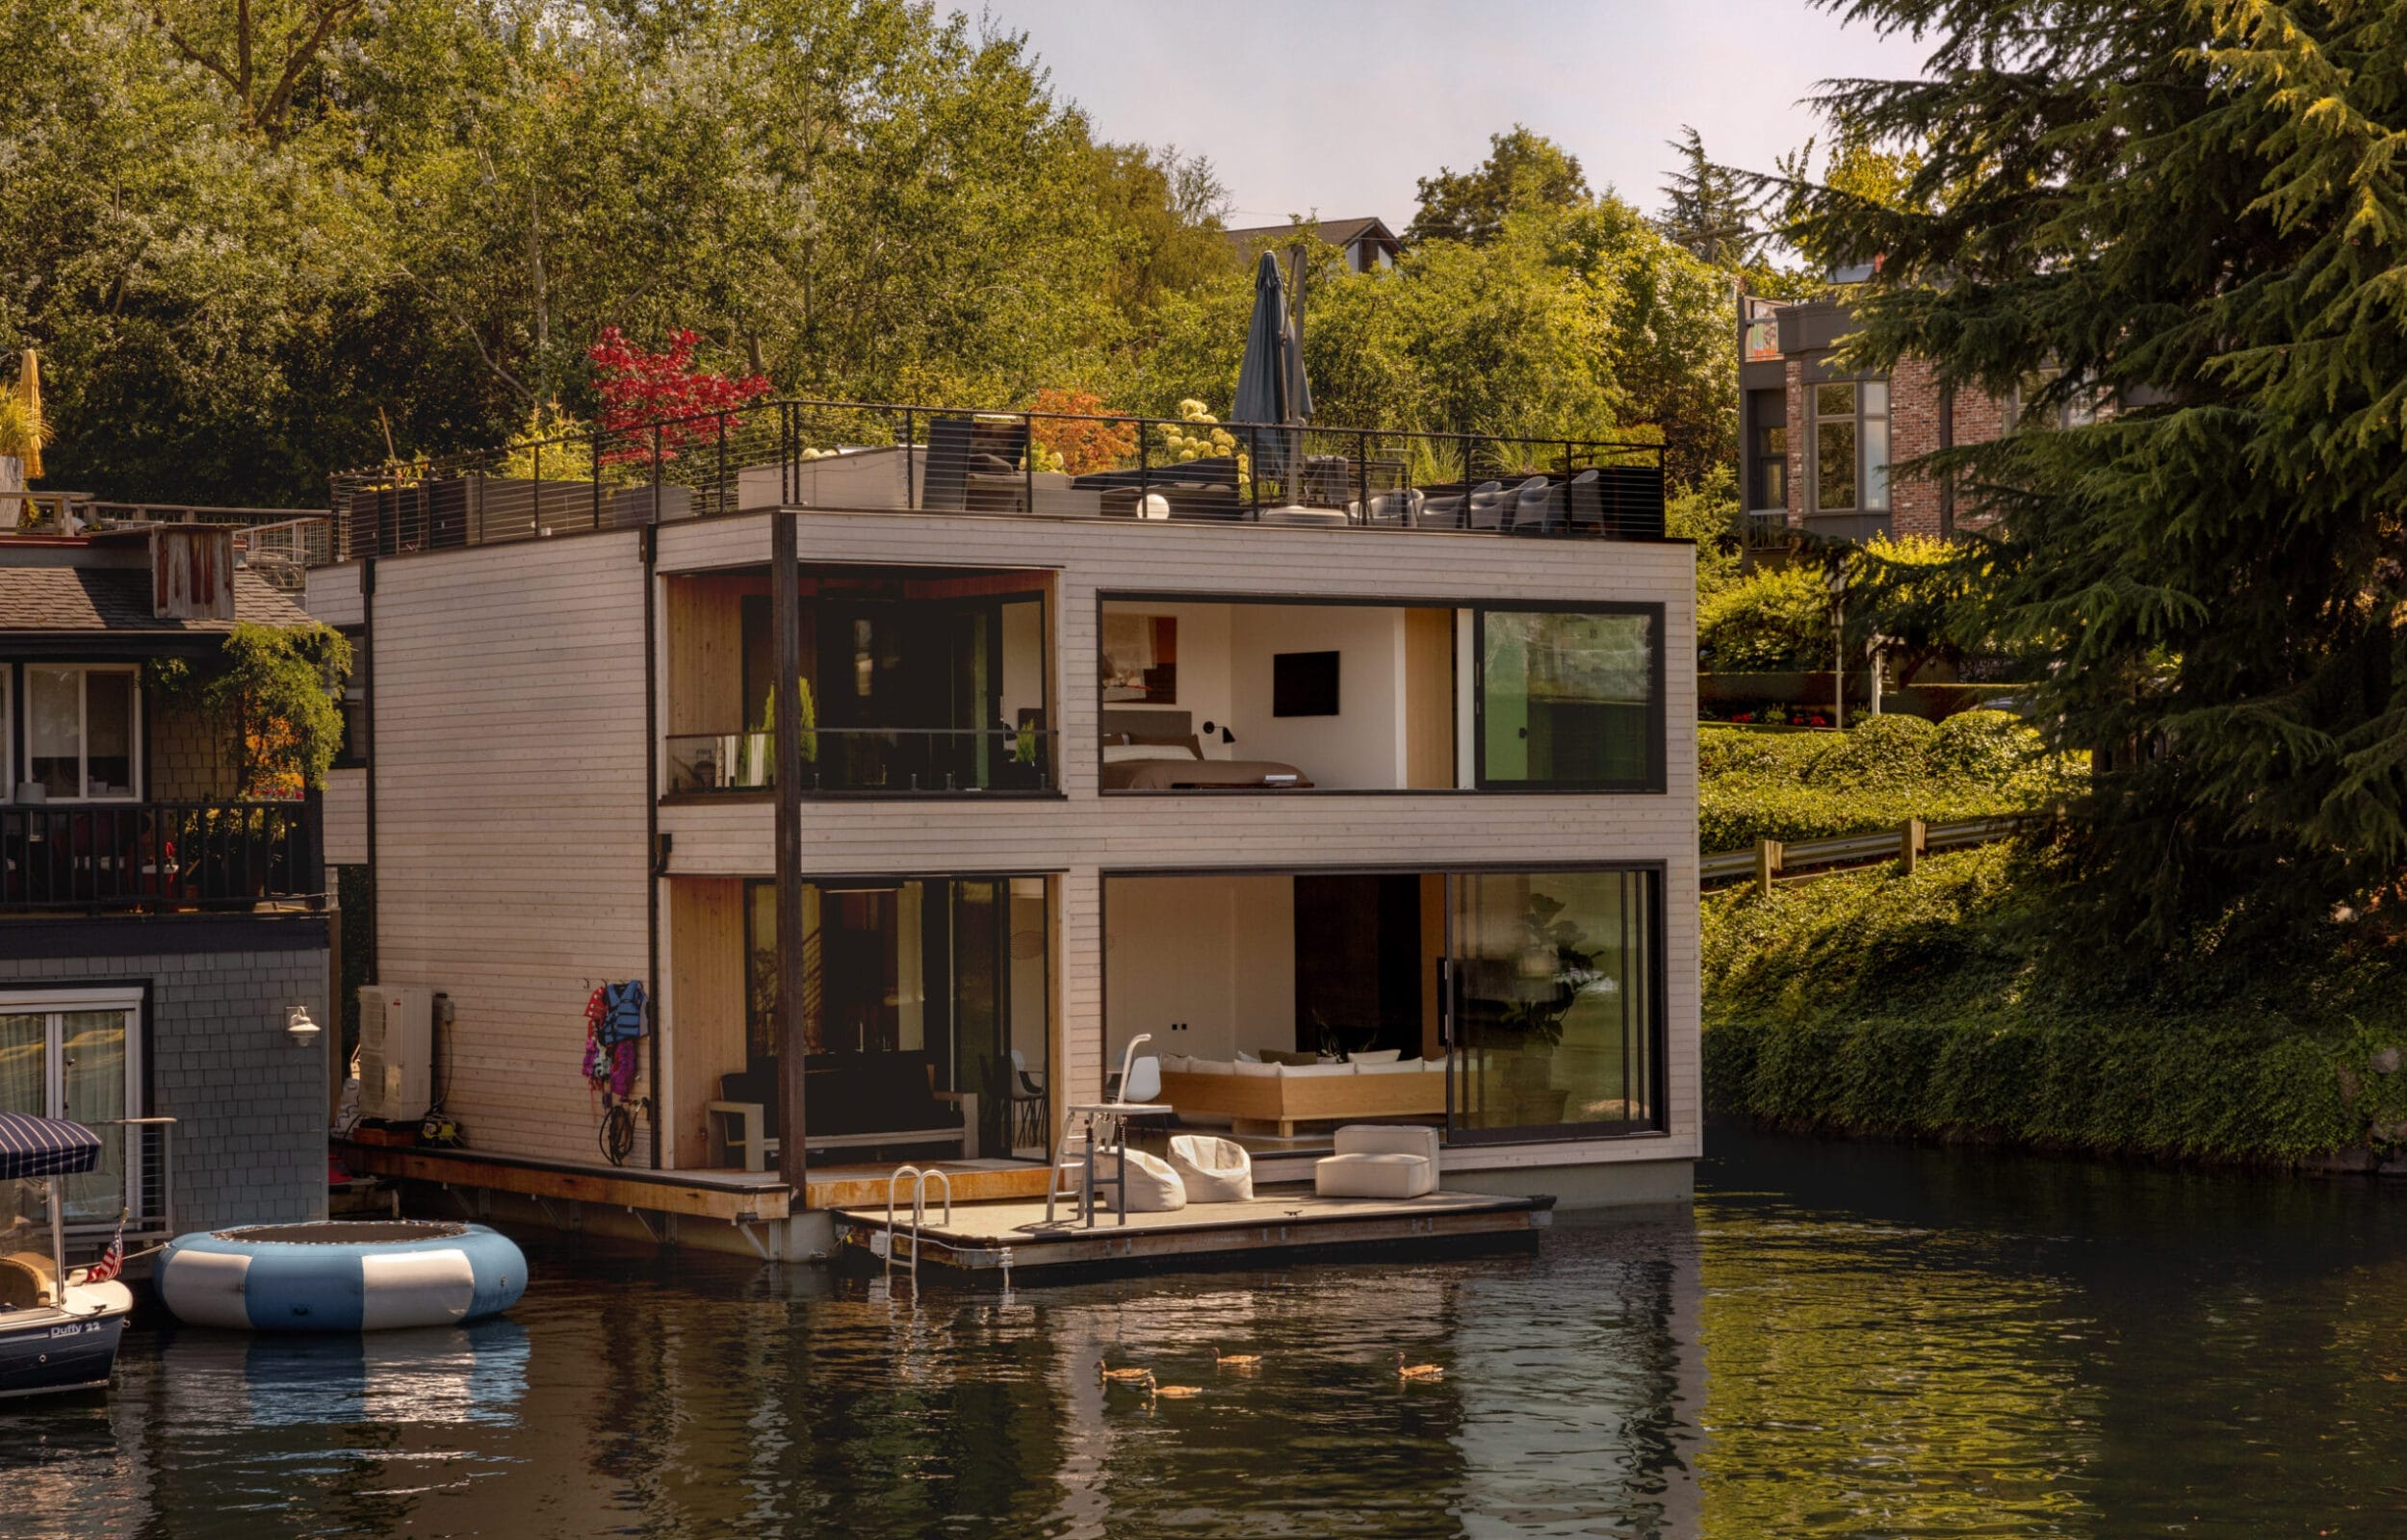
1303,685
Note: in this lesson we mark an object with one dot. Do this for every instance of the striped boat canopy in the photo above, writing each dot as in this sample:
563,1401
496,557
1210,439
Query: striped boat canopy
45,1147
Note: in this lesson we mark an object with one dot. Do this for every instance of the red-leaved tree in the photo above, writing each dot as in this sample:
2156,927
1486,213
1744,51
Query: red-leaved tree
640,389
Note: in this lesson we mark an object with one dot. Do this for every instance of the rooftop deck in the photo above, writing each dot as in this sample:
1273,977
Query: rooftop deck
857,456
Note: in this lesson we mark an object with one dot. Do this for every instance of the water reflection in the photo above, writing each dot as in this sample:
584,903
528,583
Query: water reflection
1844,1341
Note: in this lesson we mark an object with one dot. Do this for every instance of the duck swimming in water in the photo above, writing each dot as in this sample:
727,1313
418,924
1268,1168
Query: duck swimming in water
1417,1371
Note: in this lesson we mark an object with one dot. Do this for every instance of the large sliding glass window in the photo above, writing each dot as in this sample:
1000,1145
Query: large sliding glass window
1572,699
1557,1011
73,1056
927,1005
81,728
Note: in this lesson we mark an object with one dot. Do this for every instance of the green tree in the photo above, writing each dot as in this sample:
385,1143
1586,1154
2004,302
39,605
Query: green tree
2194,211
270,695
1523,170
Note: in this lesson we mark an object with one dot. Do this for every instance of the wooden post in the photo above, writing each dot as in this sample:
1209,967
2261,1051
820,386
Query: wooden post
1910,845
1767,863
786,625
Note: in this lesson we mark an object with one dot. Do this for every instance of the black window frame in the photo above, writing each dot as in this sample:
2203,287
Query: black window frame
1816,418
1654,781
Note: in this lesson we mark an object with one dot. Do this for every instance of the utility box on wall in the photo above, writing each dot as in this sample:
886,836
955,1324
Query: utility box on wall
395,1051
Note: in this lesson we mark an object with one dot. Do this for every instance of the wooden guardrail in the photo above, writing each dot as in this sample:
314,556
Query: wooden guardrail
1773,860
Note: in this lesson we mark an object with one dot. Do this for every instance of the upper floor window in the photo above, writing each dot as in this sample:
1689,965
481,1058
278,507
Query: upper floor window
1851,446
1769,461
83,732
1572,699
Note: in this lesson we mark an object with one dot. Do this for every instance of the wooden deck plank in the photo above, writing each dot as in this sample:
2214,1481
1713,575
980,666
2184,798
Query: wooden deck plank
1274,1221
733,1197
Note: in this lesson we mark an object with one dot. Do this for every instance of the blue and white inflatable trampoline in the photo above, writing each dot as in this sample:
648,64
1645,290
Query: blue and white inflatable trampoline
341,1276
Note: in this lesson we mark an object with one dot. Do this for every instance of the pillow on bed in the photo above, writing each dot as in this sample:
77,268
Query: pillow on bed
1123,752
1384,1056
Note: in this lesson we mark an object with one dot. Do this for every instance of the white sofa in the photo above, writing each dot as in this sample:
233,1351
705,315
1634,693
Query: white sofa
1379,1160
1214,1169
1258,1098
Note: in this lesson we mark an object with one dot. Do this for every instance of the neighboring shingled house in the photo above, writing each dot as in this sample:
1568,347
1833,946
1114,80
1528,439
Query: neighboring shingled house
159,931
1368,244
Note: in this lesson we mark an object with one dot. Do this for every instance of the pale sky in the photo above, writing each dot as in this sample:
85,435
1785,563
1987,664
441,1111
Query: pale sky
1340,105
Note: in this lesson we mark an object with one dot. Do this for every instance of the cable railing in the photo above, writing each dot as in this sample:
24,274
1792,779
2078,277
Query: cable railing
879,759
878,457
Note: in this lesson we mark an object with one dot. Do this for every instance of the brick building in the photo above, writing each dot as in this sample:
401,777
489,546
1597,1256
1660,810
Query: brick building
1816,442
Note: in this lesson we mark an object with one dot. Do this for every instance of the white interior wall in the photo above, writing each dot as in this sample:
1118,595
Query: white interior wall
1361,748
1215,953
1202,682
1024,661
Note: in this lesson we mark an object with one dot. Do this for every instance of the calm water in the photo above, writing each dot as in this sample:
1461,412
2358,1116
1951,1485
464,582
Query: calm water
1844,1341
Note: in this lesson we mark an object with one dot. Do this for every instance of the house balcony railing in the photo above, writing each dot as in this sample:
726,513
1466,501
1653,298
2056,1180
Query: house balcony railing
826,455
868,759
159,857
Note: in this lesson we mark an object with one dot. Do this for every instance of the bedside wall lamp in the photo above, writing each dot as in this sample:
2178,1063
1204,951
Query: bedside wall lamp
1225,737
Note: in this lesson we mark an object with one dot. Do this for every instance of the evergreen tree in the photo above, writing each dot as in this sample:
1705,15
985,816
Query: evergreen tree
2196,213
1707,210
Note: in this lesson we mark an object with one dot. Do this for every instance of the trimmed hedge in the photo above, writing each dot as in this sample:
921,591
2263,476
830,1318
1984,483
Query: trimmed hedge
1754,784
1946,1004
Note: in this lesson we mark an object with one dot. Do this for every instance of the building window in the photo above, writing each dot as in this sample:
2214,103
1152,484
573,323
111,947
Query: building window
83,732
2078,408
1558,1019
8,733
75,1054
352,754
1571,700
1851,446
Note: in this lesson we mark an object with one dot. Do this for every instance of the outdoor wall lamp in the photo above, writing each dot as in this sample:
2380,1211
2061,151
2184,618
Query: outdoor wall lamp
300,1028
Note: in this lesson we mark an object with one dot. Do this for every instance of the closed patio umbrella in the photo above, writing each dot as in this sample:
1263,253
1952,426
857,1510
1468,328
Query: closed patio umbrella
1271,388
28,391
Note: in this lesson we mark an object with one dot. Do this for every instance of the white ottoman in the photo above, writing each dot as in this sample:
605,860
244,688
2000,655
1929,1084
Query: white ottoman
1154,1188
1379,1160
1214,1169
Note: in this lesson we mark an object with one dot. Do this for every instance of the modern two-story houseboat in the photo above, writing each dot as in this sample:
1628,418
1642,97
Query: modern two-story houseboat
1352,769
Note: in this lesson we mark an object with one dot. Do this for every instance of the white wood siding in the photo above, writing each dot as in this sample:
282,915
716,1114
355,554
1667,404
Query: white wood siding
510,816
346,818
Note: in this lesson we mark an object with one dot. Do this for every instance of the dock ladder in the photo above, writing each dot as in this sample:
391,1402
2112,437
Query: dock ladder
918,1179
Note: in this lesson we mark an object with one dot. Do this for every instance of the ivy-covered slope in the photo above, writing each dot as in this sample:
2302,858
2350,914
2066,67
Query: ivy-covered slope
1949,1005
1756,783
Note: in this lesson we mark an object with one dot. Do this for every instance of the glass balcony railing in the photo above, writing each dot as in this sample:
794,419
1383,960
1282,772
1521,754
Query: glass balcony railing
898,760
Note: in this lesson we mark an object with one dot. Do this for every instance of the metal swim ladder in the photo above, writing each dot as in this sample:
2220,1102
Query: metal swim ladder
918,1210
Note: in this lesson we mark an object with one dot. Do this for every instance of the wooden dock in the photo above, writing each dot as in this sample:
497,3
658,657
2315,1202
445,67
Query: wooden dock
738,1197
1012,1239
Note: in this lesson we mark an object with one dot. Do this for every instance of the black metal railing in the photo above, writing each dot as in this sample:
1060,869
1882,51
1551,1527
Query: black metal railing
883,759
151,856
833,455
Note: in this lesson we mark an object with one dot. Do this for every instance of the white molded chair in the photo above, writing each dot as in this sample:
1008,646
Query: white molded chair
1214,1169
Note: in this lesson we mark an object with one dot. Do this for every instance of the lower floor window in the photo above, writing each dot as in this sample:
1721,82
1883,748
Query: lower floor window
914,989
76,1055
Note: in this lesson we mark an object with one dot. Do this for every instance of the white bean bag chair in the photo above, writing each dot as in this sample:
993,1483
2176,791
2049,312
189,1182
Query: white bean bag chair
1216,1170
1154,1188
1379,1160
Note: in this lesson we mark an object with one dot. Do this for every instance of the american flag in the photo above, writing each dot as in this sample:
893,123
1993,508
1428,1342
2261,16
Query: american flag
112,1261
